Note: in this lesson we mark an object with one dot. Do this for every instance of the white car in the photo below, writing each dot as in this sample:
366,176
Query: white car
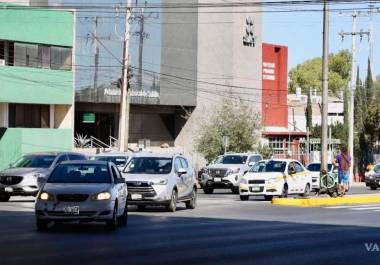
277,177
315,171
226,171
120,159
160,179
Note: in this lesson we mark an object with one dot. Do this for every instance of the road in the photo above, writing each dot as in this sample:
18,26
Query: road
222,230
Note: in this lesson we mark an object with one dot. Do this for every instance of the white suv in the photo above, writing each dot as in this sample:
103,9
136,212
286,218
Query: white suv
160,179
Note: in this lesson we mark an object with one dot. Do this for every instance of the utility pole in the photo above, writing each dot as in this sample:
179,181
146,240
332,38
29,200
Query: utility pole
96,70
371,12
352,86
125,97
325,85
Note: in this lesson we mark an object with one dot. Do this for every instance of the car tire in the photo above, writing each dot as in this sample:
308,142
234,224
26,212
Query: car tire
306,192
284,193
192,204
208,190
373,187
268,197
4,197
244,197
123,219
172,206
235,190
42,225
112,224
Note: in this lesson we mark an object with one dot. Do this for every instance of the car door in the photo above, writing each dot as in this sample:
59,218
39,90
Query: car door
120,188
301,178
188,177
181,187
291,178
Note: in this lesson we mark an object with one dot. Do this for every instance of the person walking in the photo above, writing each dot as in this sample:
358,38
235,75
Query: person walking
344,163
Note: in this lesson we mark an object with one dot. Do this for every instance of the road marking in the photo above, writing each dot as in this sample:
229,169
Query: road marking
350,206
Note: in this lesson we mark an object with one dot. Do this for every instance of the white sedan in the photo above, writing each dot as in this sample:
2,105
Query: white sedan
278,177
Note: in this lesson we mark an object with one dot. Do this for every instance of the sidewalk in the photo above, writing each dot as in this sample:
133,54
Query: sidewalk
328,201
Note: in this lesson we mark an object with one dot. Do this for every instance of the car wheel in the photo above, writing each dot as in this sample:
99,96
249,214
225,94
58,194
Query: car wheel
42,225
4,197
172,207
268,197
306,192
123,219
235,190
208,190
373,187
244,197
112,224
193,202
284,193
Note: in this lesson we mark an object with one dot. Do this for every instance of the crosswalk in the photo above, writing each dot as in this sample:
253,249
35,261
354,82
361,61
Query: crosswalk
357,208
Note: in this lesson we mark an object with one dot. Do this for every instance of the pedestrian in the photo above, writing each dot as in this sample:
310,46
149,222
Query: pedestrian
344,163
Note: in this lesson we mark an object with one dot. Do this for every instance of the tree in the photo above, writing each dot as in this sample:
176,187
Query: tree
338,131
359,102
240,123
309,112
369,84
309,74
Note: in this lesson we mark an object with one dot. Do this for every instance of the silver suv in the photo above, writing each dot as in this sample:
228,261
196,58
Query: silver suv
21,178
226,171
160,179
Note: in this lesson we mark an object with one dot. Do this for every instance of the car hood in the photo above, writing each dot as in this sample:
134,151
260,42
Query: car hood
263,175
78,188
226,166
314,173
22,171
143,177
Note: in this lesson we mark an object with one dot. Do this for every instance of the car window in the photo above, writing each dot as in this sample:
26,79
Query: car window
269,166
254,159
35,161
61,159
291,167
80,173
234,159
76,157
177,164
119,161
114,173
298,167
376,169
149,165
184,163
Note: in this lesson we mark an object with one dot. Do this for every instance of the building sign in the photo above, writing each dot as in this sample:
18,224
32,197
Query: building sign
112,92
249,39
269,71
88,117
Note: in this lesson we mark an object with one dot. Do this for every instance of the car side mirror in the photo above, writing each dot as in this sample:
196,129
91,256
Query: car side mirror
120,181
251,164
41,180
181,171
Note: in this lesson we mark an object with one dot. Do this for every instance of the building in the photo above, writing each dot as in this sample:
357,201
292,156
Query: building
36,79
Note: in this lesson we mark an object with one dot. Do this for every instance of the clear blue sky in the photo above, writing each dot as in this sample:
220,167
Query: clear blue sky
302,33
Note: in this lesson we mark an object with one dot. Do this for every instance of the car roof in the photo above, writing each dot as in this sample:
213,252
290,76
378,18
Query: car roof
242,154
53,153
280,160
160,155
113,154
85,162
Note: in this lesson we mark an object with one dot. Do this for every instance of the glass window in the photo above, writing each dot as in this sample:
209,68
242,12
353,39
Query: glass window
119,161
44,56
26,55
35,161
81,173
114,173
316,167
270,166
61,159
29,116
149,165
376,169
234,159
177,164
184,163
76,157
255,158
298,167
60,58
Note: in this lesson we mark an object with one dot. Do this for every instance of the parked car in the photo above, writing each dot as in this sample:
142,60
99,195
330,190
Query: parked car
120,159
278,177
315,171
372,177
226,171
160,179
83,191
20,179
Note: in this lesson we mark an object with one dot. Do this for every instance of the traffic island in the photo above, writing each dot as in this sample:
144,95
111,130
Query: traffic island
327,201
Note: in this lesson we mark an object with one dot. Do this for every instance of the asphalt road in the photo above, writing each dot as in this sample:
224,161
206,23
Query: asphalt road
222,230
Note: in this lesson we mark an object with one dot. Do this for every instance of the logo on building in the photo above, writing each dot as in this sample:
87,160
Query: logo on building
269,71
249,39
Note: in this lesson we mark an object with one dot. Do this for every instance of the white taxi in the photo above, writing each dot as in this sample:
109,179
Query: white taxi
277,177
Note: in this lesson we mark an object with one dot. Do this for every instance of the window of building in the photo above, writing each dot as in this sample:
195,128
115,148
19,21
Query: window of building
26,55
7,52
60,58
44,56
29,116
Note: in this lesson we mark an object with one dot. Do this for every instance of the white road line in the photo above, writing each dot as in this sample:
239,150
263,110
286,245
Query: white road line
351,206
366,208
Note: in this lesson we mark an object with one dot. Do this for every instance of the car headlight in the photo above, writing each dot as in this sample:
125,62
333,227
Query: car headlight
45,196
102,196
243,181
272,180
159,182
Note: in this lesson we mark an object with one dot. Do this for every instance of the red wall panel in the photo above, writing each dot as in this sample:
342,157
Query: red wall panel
274,93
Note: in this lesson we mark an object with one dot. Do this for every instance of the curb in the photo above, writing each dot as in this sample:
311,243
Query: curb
316,202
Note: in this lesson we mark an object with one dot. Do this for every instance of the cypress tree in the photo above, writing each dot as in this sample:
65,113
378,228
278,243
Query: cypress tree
309,112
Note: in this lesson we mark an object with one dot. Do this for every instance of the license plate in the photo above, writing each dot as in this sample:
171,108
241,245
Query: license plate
217,179
255,189
8,189
71,210
136,196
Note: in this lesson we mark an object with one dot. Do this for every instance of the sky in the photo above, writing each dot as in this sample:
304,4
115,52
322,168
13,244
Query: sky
302,33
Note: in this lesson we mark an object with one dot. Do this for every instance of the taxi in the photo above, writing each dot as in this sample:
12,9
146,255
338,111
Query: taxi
276,177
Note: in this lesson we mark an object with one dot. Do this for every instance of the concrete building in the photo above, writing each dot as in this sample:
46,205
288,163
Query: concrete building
36,81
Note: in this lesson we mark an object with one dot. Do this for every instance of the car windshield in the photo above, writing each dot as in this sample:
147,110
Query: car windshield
117,160
234,159
35,161
270,166
316,167
80,173
149,165
377,168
